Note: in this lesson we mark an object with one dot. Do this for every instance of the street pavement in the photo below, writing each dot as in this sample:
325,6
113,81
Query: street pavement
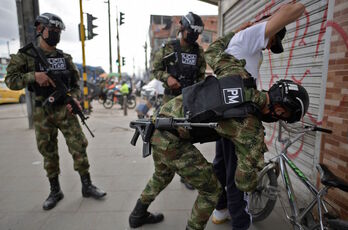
116,166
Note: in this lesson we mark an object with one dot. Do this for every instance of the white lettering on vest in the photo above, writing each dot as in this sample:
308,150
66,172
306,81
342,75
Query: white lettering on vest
57,63
233,95
189,59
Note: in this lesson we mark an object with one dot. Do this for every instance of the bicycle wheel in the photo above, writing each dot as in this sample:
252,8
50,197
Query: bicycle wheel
264,198
108,104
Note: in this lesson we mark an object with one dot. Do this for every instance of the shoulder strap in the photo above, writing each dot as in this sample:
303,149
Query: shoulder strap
39,55
177,49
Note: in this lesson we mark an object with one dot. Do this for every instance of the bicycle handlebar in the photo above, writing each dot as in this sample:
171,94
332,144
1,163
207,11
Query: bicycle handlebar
320,129
306,128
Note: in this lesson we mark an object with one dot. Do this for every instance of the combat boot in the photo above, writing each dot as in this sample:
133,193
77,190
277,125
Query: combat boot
55,195
89,190
141,216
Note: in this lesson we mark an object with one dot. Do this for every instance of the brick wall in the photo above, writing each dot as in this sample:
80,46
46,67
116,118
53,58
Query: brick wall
334,148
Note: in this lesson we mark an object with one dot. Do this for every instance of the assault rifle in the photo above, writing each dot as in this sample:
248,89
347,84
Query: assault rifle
146,127
61,92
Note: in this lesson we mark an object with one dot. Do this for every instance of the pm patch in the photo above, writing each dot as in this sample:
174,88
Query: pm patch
233,95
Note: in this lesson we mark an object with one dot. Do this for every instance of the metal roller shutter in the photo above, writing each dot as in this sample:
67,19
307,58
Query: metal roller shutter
304,59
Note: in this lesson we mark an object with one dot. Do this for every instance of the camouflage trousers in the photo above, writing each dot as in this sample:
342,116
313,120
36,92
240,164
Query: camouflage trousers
248,137
174,155
47,121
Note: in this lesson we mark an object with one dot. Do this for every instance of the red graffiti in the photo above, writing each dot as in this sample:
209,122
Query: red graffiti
292,48
302,41
266,11
322,31
312,119
297,152
340,30
299,81
324,25
270,66
269,142
304,75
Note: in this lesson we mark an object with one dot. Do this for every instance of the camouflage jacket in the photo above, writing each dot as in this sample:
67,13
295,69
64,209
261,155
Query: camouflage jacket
223,65
159,68
21,69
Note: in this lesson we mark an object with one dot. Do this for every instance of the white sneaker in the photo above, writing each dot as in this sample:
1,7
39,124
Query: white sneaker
220,216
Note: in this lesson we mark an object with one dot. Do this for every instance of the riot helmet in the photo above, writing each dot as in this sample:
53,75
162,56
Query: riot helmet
194,26
54,24
292,97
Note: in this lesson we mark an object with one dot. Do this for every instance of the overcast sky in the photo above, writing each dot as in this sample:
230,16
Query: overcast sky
133,33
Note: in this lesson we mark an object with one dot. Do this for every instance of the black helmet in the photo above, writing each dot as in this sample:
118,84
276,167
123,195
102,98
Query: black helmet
192,22
49,20
292,96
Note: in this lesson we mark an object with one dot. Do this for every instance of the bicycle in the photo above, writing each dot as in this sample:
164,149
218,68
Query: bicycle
267,189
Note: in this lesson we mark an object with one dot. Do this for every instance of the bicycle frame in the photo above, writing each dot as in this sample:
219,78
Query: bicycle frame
283,161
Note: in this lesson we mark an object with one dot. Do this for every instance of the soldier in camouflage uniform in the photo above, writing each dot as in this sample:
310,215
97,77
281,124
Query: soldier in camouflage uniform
173,152
180,63
25,71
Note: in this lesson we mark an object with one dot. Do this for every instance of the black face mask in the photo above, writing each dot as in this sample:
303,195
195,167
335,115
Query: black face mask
53,38
191,37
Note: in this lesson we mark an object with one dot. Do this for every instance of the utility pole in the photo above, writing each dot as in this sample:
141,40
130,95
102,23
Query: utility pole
110,55
8,48
146,69
84,72
145,47
133,68
27,11
118,47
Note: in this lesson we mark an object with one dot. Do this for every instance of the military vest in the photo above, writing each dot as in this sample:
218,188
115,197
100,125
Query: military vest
182,66
216,99
59,68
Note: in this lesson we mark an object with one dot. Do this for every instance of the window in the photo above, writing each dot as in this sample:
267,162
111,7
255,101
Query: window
167,20
156,19
207,37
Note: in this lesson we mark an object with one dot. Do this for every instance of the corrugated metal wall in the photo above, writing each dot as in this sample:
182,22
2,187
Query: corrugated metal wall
303,59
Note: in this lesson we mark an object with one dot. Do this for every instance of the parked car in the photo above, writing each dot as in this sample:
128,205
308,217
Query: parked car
10,96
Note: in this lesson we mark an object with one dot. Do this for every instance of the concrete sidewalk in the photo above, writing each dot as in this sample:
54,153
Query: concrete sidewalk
116,166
